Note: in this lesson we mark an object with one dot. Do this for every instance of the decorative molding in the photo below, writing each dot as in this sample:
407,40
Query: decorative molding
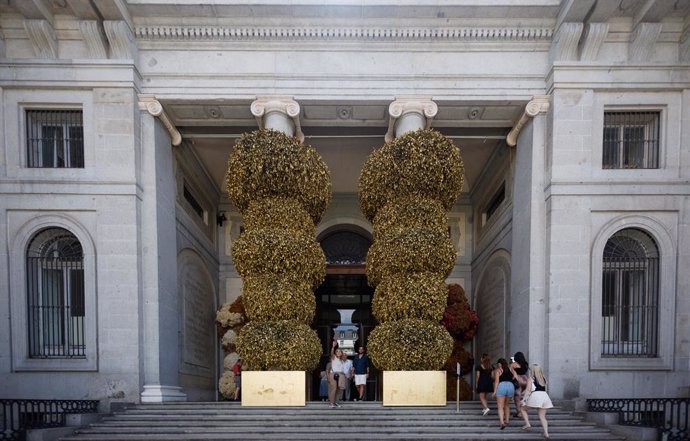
592,38
538,104
643,41
317,33
43,38
121,39
285,105
154,107
565,42
420,105
93,37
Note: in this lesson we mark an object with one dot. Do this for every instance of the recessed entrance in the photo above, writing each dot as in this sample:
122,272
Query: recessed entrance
343,302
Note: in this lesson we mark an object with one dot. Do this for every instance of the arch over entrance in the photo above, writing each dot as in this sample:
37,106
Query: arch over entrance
491,303
343,301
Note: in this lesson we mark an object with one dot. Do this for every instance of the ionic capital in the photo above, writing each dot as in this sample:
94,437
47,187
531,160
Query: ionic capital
538,104
278,112
154,107
419,105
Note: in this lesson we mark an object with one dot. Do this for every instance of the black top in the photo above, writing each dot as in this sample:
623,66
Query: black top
506,376
539,387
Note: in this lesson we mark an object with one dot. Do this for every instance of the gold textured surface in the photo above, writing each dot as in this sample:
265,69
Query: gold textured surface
414,388
273,388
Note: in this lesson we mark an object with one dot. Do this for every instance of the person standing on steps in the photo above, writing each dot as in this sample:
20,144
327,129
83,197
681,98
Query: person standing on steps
335,393
536,397
361,366
519,367
503,385
484,382
348,371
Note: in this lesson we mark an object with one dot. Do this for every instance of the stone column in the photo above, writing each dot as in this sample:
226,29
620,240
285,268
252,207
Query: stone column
408,114
279,113
158,250
528,321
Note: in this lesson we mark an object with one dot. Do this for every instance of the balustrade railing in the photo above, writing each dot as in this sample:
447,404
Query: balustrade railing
669,415
18,416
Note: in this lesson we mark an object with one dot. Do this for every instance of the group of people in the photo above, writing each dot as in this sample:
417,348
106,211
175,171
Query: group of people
515,379
336,378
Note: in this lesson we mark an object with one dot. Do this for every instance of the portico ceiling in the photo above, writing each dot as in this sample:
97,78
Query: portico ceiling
344,133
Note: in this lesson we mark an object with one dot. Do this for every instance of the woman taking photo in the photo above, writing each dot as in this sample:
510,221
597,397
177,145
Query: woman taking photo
334,392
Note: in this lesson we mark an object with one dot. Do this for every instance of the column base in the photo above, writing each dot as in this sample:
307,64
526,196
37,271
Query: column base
156,393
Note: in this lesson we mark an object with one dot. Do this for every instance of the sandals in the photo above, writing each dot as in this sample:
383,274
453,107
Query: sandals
503,426
527,428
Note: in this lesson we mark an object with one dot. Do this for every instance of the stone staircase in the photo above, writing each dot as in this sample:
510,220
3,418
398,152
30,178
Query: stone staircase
353,421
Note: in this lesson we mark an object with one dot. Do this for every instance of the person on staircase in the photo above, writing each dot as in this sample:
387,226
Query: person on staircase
536,397
237,371
335,393
504,390
484,382
361,365
348,372
519,367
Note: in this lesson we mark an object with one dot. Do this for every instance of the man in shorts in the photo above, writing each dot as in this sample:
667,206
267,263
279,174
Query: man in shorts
361,365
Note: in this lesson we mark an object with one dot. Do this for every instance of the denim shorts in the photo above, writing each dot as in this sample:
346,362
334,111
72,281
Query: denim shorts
505,389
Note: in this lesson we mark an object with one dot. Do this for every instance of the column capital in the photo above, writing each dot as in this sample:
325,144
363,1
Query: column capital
402,105
538,104
155,108
280,104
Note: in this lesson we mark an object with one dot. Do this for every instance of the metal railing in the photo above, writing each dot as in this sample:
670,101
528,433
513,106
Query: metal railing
18,416
668,415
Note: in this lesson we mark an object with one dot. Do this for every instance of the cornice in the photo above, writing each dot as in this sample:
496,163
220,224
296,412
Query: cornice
353,33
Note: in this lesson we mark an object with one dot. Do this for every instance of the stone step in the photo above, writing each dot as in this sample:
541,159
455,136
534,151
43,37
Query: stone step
366,421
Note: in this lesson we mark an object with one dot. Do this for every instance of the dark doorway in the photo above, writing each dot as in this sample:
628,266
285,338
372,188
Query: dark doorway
343,303
343,312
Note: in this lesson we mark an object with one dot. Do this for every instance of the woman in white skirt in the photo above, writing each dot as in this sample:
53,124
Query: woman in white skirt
537,398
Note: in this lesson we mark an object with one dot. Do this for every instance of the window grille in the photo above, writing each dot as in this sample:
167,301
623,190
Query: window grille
631,140
55,289
55,138
630,295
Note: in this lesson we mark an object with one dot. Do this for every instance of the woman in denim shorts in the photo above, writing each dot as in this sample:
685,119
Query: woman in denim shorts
503,385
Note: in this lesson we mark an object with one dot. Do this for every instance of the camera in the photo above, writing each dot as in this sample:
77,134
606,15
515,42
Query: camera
512,359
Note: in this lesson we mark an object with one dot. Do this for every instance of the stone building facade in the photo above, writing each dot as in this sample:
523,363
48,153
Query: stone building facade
572,232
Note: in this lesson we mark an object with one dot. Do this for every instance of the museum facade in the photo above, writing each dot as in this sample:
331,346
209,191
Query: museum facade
572,232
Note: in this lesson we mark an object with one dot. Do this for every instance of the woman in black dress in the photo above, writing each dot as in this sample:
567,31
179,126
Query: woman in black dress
485,384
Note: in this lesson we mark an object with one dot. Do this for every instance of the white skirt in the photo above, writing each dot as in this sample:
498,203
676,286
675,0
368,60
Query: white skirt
539,399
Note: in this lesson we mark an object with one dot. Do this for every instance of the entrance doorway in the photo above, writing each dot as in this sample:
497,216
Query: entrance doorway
343,312
343,303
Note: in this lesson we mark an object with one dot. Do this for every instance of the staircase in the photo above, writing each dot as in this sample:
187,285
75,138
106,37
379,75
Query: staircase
353,421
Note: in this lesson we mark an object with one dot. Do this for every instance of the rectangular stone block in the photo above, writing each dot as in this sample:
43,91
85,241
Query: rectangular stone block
414,388
273,388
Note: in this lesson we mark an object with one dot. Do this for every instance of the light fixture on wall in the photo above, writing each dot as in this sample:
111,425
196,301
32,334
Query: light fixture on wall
221,218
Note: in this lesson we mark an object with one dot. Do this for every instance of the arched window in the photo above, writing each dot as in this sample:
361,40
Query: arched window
630,295
345,248
55,290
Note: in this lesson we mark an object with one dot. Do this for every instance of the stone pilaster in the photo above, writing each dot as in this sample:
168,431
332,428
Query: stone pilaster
408,114
279,113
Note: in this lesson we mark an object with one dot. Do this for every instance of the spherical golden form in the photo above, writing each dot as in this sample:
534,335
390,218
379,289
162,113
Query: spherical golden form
278,214
423,163
274,297
410,344
282,345
270,164
410,212
410,295
408,251
279,253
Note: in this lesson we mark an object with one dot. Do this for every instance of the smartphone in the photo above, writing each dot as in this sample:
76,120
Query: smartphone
512,359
